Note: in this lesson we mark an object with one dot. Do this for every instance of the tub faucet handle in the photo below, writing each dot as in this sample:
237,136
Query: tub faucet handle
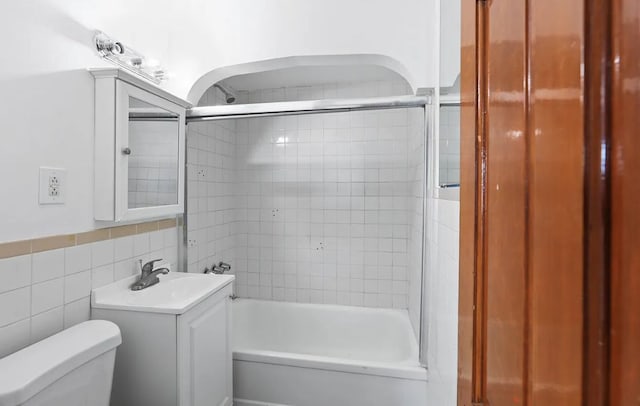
218,269
214,269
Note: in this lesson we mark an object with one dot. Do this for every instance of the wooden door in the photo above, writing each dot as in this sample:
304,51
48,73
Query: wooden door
550,154
624,161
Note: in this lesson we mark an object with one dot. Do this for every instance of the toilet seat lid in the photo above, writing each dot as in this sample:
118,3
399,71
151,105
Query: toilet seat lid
26,372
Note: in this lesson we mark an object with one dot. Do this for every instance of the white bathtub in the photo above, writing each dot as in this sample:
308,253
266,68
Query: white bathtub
319,355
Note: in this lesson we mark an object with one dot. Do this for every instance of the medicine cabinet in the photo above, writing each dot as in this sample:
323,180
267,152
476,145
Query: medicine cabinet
139,149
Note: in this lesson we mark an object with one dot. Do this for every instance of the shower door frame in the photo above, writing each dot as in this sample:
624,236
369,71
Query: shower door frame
274,109
423,99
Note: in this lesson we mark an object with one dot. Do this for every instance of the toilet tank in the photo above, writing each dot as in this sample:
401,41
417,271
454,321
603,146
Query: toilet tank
71,368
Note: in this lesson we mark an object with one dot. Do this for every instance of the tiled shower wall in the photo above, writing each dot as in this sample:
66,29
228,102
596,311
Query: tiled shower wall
211,155
323,208
324,204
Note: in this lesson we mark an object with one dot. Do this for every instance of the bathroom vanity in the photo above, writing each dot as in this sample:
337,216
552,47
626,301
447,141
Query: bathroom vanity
176,340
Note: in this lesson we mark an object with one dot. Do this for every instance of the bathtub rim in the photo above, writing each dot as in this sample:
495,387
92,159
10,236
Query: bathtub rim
387,370
401,314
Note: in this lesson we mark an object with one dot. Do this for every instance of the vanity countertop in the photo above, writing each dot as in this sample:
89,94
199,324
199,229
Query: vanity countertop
176,293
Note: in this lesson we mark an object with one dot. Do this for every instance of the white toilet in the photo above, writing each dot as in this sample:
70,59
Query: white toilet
71,368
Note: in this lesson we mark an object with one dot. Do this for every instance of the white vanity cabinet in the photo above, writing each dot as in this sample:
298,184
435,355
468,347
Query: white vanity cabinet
205,355
170,357
139,150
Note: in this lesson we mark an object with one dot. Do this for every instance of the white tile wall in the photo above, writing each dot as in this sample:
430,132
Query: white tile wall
47,295
16,273
47,323
77,258
318,207
102,252
210,175
40,294
48,265
449,145
324,199
442,298
15,305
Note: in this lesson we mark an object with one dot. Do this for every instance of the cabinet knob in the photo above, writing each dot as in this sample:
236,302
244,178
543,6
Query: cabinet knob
126,151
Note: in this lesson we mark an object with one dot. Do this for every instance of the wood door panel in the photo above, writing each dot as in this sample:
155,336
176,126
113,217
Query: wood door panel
506,234
625,206
556,136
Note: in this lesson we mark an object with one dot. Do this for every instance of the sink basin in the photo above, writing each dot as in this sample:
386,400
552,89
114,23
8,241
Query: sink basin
176,293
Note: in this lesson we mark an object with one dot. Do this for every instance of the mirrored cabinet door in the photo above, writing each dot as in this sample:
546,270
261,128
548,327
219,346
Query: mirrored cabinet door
152,155
151,167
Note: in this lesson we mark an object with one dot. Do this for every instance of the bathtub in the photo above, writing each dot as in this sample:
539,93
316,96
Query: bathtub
319,355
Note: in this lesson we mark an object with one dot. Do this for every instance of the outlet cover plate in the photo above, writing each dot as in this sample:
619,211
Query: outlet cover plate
53,182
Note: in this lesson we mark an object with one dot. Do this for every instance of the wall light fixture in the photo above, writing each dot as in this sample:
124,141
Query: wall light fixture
127,58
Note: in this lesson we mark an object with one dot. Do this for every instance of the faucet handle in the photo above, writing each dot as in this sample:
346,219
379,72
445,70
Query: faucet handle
224,266
148,267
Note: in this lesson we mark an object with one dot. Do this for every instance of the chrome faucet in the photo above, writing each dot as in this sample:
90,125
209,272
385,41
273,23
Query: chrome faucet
149,276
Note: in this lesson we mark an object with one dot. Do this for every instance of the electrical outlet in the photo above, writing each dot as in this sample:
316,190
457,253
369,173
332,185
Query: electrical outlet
52,185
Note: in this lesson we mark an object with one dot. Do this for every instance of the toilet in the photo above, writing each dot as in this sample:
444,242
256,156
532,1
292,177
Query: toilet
71,368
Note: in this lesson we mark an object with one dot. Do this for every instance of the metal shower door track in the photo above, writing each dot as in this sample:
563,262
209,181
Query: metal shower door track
225,112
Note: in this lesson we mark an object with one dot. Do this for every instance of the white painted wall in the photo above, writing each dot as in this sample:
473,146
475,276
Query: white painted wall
450,26
193,37
46,97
